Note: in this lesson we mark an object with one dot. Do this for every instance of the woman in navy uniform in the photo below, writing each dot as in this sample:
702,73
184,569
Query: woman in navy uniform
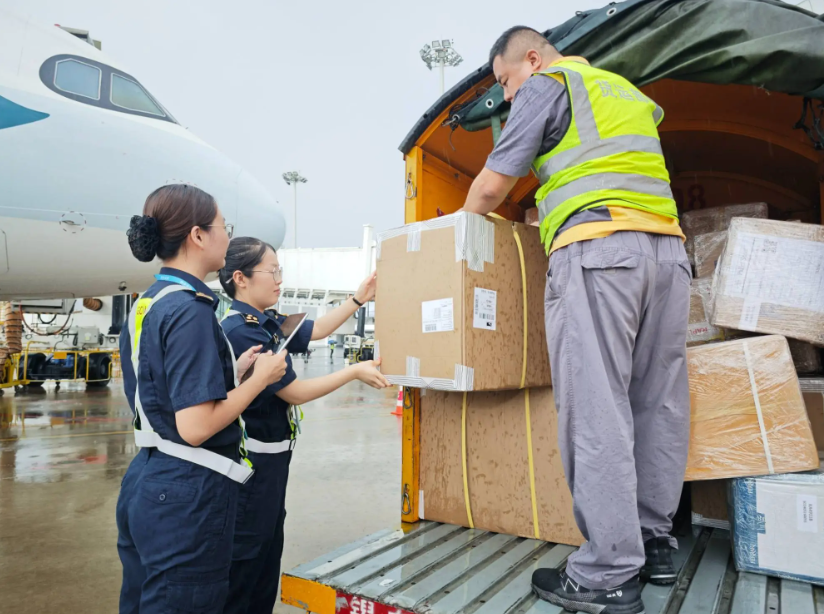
176,510
252,277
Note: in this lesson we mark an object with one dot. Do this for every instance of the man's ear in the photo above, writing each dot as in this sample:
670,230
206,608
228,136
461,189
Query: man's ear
535,60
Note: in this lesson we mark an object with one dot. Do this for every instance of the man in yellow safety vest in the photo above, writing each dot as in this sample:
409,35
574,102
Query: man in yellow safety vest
616,303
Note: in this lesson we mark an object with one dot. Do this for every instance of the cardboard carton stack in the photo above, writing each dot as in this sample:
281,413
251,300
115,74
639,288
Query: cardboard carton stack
714,220
450,319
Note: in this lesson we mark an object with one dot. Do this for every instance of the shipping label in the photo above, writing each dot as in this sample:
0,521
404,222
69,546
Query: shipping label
486,306
437,316
807,507
777,270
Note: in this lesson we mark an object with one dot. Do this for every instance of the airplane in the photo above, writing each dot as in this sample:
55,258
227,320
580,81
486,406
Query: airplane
82,144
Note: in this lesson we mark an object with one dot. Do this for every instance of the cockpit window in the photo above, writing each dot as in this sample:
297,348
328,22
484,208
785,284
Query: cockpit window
78,78
129,95
99,85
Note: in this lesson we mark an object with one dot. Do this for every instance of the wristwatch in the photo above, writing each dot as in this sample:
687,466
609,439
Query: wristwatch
357,302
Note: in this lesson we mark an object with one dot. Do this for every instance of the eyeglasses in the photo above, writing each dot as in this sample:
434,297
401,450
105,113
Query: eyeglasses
277,274
230,228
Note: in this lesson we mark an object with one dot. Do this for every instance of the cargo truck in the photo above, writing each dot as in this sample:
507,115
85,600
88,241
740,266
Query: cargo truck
742,84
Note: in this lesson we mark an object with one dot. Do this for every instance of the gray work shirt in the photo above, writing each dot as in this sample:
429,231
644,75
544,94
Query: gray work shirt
539,119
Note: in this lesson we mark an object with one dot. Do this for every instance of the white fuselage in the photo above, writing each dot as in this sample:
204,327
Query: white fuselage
73,174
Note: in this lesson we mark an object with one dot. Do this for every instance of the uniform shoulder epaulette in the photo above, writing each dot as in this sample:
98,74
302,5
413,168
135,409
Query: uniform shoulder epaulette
250,318
202,296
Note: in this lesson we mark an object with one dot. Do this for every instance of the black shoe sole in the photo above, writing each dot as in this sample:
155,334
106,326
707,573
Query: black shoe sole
589,608
660,580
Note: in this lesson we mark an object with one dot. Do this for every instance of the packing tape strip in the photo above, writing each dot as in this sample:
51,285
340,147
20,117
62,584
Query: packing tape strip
474,237
464,380
413,366
758,411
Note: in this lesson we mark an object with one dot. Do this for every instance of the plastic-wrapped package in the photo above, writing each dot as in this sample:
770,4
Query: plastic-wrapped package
777,528
716,219
700,330
807,357
531,217
771,279
708,249
747,413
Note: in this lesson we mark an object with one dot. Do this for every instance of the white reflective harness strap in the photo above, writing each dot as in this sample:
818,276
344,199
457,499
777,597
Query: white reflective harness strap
146,437
255,445
270,447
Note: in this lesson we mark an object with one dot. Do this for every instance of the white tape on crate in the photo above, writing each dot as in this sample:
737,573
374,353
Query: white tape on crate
463,382
474,237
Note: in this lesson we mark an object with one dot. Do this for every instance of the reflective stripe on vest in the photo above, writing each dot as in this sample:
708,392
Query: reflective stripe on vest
269,447
591,146
146,437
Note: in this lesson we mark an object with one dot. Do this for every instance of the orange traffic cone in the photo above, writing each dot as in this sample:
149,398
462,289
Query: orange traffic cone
399,405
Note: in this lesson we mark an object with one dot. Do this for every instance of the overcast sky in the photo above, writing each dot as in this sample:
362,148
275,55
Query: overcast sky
326,88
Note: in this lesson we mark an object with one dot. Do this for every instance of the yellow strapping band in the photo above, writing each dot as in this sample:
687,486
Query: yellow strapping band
531,466
463,459
532,491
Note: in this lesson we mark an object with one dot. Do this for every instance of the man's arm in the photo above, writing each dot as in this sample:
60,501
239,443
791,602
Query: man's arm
540,111
488,191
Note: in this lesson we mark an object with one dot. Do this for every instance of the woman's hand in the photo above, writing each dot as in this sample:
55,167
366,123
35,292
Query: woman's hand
270,368
367,289
368,373
246,360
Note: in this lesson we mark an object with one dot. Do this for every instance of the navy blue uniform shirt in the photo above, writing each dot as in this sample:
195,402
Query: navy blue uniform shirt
184,360
267,417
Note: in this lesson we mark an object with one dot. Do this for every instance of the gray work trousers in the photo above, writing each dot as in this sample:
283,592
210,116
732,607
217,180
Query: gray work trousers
616,319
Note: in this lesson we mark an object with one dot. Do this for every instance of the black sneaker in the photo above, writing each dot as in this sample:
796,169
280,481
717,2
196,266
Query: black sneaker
559,589
658,568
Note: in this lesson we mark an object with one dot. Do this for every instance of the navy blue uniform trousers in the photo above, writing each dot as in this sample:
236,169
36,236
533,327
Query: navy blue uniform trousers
176,524
258,546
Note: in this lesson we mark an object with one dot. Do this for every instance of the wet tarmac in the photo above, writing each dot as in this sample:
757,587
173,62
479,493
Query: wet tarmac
64,451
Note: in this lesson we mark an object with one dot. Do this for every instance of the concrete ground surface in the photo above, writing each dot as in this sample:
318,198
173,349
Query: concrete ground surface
63,453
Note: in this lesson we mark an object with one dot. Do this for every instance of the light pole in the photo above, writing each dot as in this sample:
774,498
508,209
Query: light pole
441,53
293,178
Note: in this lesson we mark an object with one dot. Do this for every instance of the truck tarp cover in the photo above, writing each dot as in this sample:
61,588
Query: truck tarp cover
763,43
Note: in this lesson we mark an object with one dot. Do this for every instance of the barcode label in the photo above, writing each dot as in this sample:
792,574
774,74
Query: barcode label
436,316
486,306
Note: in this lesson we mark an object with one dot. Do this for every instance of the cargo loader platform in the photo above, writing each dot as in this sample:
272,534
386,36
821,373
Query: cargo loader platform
434,568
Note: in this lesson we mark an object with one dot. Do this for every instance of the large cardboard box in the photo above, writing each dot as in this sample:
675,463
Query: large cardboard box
747,412
771,279
708,249
497,462
806,356
449,310
777,525
715,219
815,412
699,330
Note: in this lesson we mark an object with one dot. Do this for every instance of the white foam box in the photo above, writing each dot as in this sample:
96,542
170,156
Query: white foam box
777,527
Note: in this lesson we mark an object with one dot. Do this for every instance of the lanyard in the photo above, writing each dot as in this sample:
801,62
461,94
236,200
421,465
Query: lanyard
175,280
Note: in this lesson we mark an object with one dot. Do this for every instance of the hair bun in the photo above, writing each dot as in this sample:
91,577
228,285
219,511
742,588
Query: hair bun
144,237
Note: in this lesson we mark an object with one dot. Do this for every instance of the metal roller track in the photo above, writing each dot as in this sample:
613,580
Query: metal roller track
444,569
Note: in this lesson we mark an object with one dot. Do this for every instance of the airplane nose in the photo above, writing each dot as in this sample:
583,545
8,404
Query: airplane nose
258,214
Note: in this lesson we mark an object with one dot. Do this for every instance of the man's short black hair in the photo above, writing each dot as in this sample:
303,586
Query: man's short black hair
504,41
